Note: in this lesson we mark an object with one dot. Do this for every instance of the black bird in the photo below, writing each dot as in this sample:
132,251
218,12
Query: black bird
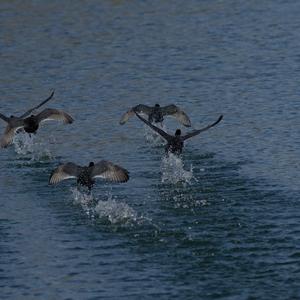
31,124
175,143
156,113
86,175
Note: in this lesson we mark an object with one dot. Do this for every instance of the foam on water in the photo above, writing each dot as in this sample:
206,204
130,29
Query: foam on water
25,144
173,171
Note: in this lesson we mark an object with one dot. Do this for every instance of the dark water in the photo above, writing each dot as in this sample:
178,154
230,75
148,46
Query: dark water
229,228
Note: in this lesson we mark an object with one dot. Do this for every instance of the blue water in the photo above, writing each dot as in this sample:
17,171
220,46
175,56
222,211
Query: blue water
221,223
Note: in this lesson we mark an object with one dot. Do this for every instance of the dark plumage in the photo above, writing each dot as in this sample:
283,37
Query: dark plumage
175,143
157,113
86,175
31,124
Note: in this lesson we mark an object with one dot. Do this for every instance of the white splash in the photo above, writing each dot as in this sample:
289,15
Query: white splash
115,212
111,210
188,202
85,201
25,144
173,171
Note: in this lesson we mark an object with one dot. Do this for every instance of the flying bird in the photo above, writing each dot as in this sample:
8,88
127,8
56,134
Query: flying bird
30,124
175,142
157,113
86,175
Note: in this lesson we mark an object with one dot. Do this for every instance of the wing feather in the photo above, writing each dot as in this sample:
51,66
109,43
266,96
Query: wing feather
54,114
109,171
165,135
9,133
36,107
175,111
63,172
4,118
196,132
141,108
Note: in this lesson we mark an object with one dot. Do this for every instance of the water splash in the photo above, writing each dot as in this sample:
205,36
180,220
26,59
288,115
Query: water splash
86,202
173,171
116,212
25,144
110,210
188,202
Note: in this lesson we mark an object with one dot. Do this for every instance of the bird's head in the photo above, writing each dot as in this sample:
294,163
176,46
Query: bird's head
91,164
178,132
157,105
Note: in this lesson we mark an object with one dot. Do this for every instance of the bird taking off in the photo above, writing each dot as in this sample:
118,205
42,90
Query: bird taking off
30,124
86,176
175,142
157,113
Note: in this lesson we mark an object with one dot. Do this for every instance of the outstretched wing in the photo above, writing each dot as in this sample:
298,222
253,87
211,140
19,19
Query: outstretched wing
9,134
4,118
63,172
36,107
195,132
174,111
54,114
109,171
141,108
158,130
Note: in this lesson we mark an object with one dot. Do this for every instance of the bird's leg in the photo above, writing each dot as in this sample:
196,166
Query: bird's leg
20,130
89,190
150,118
167,150
90,185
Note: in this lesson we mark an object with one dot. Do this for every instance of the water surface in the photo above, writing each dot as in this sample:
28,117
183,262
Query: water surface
226,225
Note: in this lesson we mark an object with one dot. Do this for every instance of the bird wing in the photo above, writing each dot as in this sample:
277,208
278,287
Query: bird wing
141,108
63,172
109,171
9,133
4,118
54,114
195,132
174,111
158,130
36,107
